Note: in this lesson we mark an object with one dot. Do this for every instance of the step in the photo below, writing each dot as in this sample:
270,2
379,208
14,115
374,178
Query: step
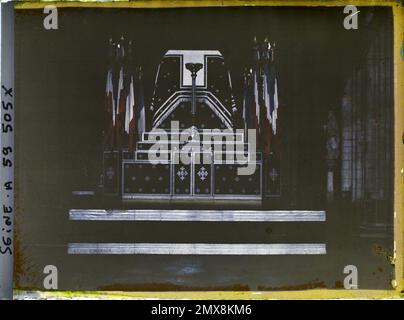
198,248
152,135
224,146
198,215
219,156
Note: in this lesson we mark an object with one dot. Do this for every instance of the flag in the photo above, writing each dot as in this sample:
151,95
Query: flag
272,91
255,84
109,124
130,104
265,79
251,113
246,103
130,121
276,105
272,140
255,72
120,110
270,85
141,114
266,99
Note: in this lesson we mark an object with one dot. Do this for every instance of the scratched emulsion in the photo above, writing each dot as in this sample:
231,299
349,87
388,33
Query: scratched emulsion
60,78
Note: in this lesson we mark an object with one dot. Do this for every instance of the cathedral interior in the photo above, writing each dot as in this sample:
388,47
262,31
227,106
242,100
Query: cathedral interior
336,112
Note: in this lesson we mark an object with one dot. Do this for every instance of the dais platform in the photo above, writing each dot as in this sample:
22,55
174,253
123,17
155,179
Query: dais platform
211,172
